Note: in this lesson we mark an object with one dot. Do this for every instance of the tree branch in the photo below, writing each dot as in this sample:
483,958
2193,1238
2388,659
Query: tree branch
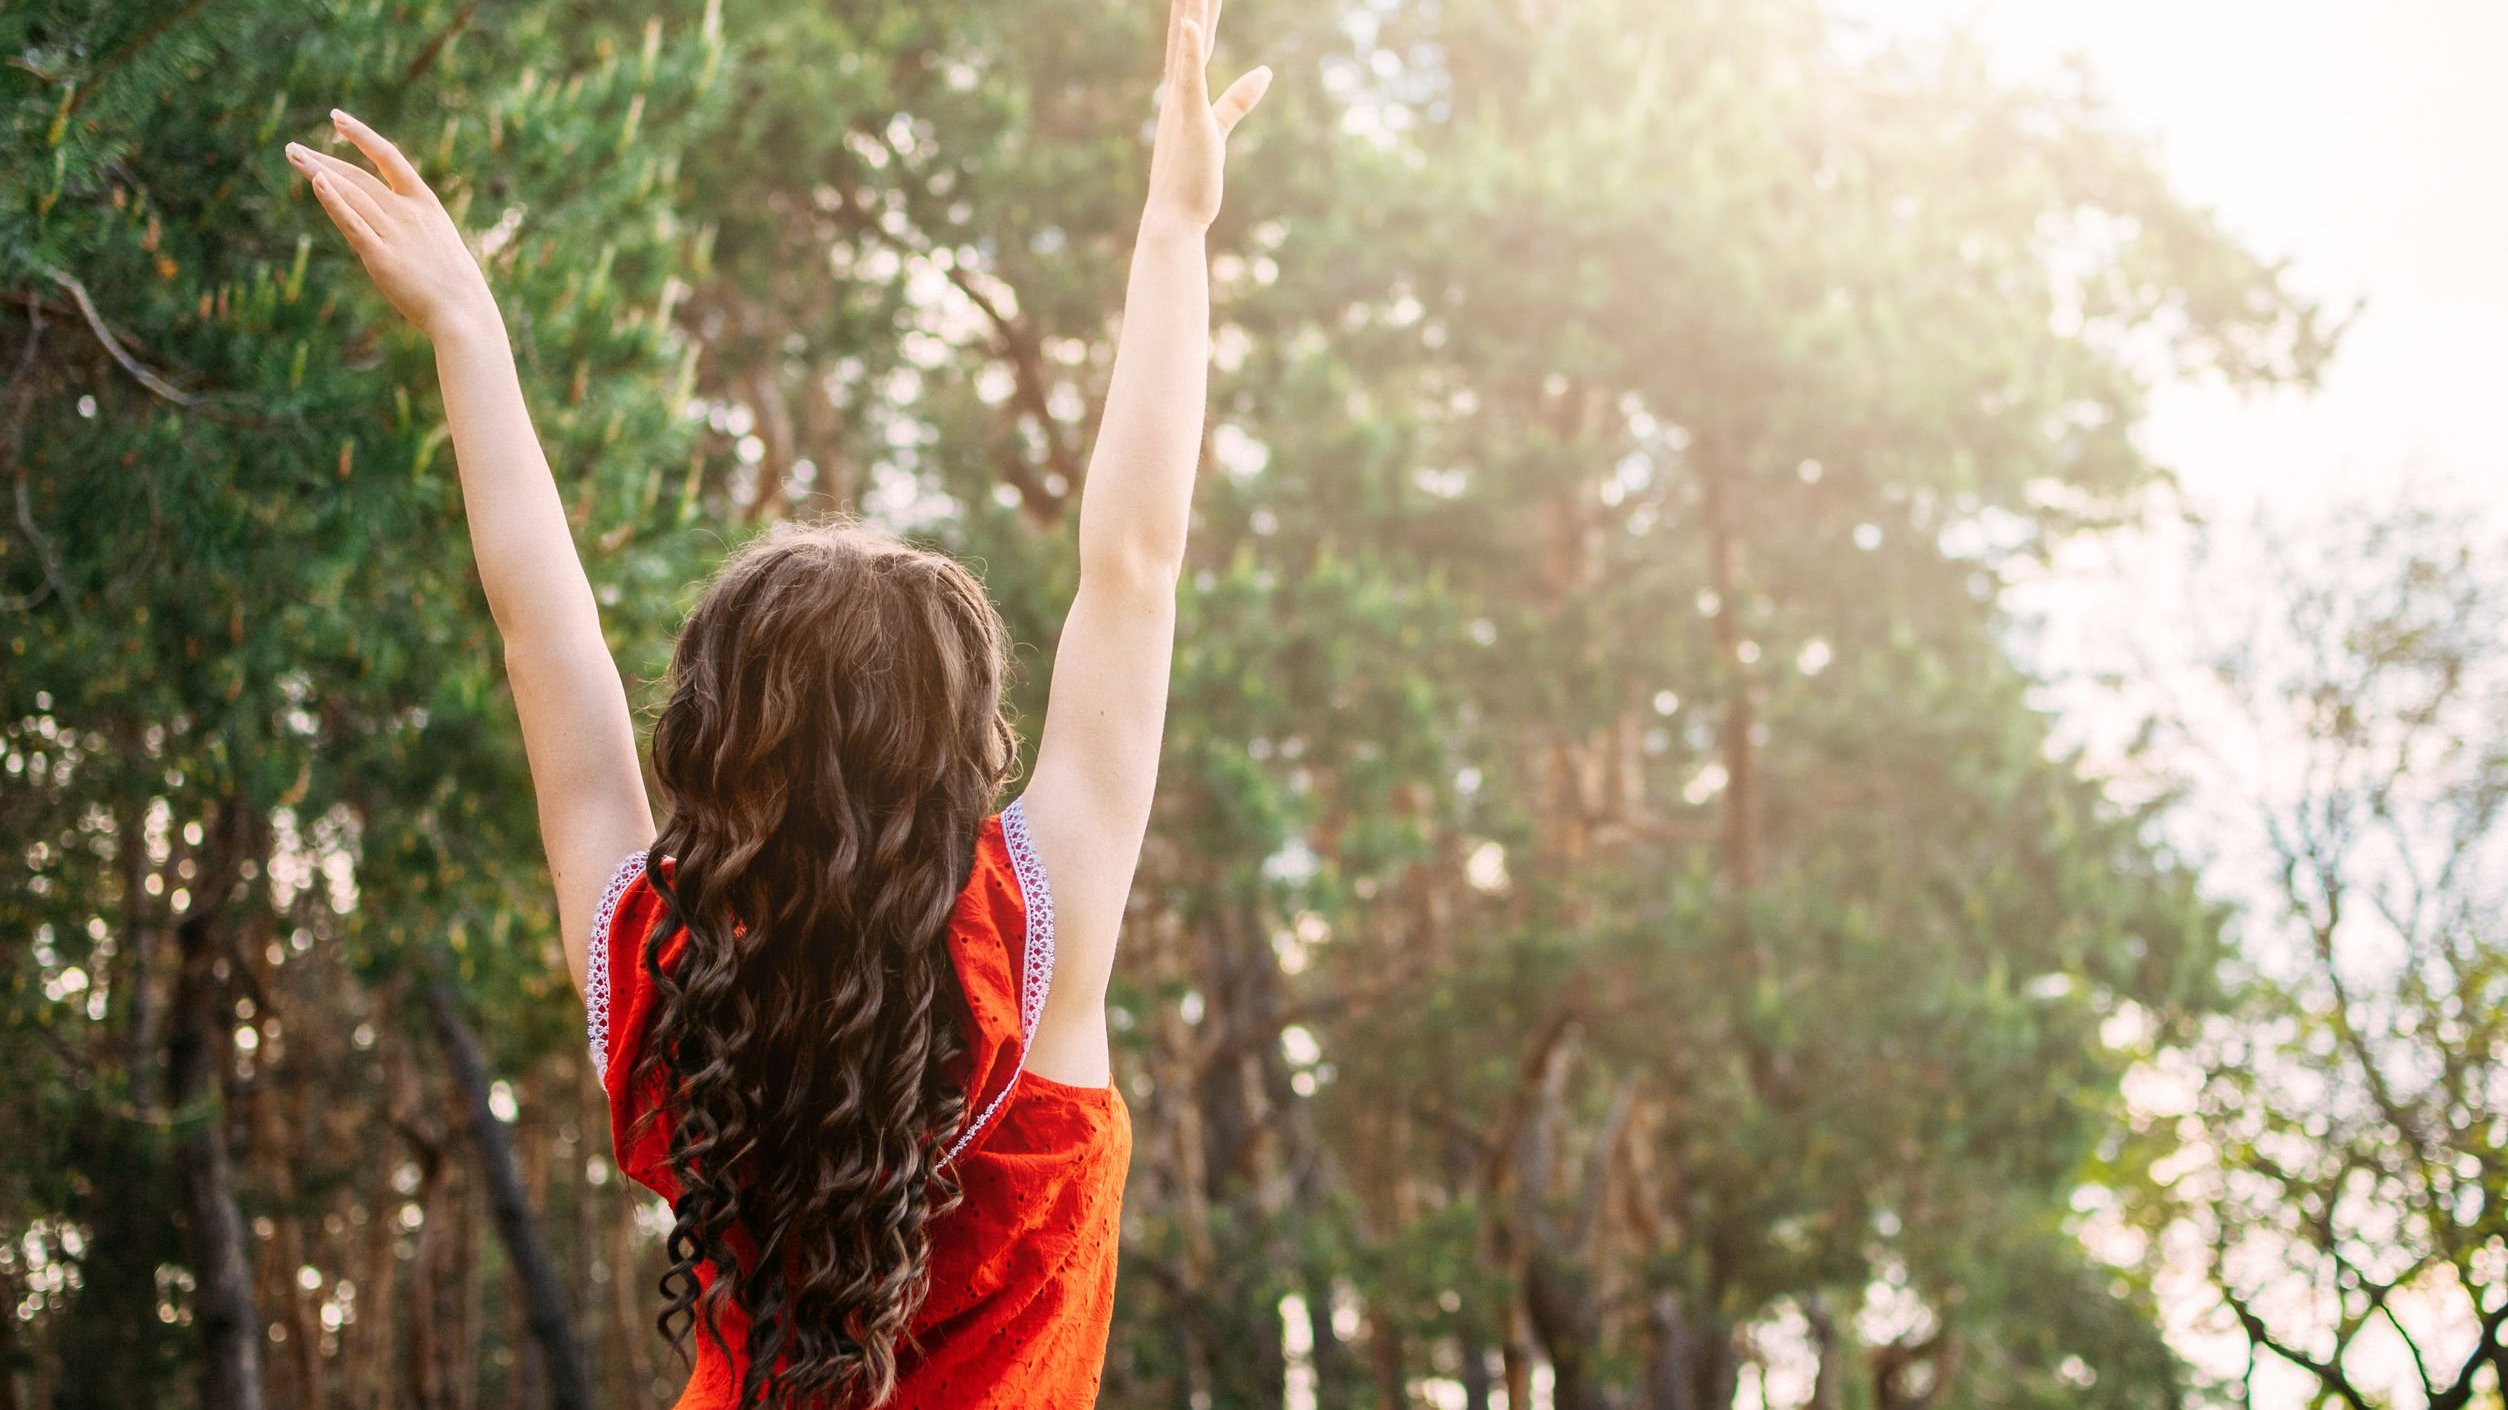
140,372
1014,338
2329,1373
426,57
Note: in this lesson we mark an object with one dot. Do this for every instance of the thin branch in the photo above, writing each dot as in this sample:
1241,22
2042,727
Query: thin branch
1022,347
45,554
139,371
2328,1373
427,56
1016,338
2420,1362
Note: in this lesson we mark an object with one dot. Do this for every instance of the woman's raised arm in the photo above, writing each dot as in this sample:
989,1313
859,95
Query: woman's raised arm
1088,802
576,727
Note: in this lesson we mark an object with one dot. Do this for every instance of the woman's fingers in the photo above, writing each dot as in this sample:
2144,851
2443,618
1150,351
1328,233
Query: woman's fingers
387,158
1179,43
356,188
347,173
1178,11
352,223
1193,79
1192,29
1240,99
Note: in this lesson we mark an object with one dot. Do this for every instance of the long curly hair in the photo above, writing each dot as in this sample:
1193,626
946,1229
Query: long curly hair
833,741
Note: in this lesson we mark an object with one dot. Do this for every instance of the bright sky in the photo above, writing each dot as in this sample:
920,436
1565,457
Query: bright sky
2368,146
2362,142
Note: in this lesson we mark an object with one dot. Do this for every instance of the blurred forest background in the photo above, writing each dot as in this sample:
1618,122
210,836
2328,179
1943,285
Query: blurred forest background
1620,928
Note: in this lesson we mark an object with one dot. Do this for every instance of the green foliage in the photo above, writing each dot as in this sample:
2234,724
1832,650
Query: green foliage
1612,894
238,584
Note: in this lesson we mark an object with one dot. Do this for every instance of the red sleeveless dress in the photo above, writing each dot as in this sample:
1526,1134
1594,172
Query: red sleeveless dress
1023,1270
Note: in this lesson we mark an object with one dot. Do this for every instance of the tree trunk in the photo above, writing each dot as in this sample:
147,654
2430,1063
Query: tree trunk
1692,1363
1828,1392
199,1050
12,1356
1475,1372
107,1342
1384,1357
390,1332
104,1343
1338,1384
1667,1359
530,1385
371,1336
1558,1263
282,1139
1570,1326
526,1244
1516,1360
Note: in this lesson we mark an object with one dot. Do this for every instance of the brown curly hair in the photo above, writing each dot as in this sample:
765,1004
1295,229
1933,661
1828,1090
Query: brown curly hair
833,740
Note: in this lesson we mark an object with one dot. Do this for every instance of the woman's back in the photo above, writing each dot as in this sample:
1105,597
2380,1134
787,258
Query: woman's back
1022,1271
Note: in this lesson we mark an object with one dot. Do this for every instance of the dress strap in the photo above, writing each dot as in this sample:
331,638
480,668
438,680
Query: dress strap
1036,958
1037,898
596,981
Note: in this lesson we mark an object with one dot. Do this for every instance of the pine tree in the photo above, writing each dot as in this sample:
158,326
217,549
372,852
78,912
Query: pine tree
252,702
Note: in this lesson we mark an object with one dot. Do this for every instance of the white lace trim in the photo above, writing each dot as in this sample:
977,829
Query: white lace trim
1039,900
1037,958
596,986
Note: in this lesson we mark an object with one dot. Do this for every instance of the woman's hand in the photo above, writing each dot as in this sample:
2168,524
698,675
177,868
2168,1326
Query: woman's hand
1188,162
401,232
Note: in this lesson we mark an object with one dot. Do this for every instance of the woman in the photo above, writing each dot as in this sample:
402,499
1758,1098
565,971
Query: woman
851,1021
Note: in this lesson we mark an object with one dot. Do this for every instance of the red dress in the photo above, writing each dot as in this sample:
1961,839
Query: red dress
1023,1270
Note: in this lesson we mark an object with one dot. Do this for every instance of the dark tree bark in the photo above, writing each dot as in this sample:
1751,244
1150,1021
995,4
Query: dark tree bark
1559,1295
1338,1383
1667,1353
108,1338
12,1356
1828,1392
1384,1347
109,1344
1477,1382
1569,1323
1692,1361
526,1243
200,1049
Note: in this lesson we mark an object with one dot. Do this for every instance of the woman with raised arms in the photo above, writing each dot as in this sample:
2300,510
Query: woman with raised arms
850,1018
